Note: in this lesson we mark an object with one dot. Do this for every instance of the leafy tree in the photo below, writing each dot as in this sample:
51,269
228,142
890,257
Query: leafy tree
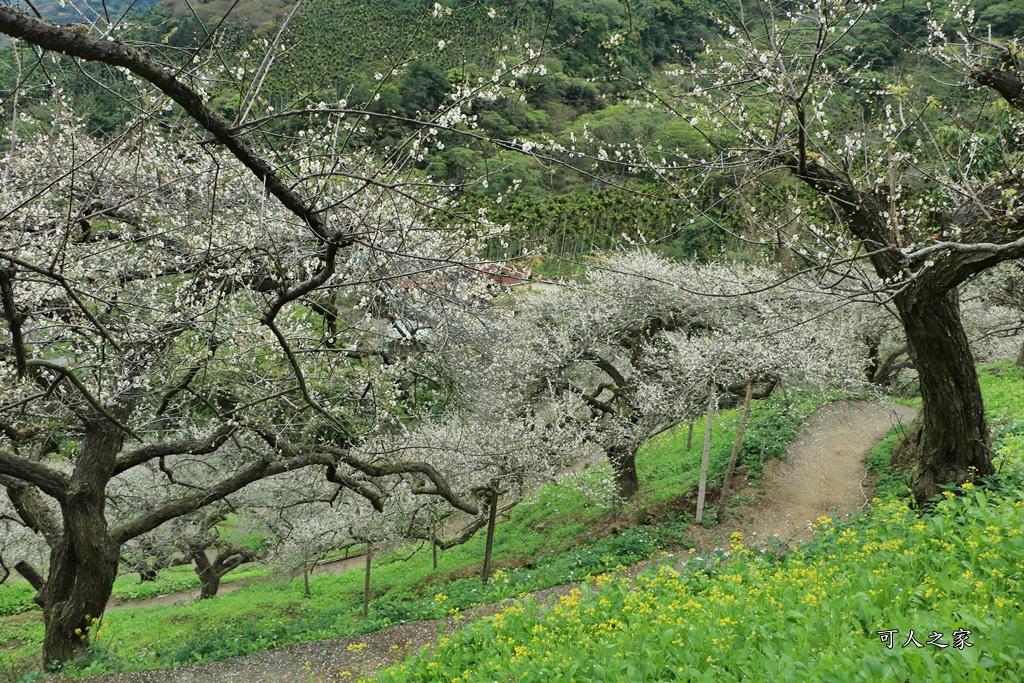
424,87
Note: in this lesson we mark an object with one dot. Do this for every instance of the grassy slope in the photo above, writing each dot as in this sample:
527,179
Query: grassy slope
812,615
559,535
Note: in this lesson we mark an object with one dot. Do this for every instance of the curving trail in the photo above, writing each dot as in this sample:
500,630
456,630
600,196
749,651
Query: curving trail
823,475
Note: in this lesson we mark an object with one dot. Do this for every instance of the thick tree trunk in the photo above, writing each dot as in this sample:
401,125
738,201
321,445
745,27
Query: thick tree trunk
954,443
623,460
83,564
1020,357
209,577
208,586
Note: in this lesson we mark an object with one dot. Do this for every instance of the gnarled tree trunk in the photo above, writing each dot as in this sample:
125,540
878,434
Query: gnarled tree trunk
83,564
954,443
211,573
209,577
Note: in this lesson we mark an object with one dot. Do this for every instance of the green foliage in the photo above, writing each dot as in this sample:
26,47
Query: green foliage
110,10
574,225
1005,18
559,534
879,463
171,580
814,613
16,597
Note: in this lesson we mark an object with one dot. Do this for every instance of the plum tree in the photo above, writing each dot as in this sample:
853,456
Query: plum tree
916,175
635,345
181,298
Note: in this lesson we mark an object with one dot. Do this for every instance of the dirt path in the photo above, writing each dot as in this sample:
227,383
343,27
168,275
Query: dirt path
186,597
824,475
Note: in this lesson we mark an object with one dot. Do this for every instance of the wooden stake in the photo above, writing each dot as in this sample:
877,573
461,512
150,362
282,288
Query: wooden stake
492,518
689,437
704,459
366,583
433,546
727,482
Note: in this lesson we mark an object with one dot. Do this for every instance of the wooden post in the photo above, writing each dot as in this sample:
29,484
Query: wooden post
704,459
491,519
689,436
433,544
366,583
727,482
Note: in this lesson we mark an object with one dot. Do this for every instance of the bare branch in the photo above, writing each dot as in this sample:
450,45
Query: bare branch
31,508
182,506
160,450
51,482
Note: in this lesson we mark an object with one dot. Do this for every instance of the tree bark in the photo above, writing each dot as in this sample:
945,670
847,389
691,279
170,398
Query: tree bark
83,564
225,561
623,460
433,547
209,577
1020,357
954,444
492,518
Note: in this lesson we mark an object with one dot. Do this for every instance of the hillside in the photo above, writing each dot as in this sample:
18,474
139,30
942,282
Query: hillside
87,11
254,312
899,594
815,610
564,533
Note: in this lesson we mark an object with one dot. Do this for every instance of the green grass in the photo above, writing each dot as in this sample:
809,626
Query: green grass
560,534
813,614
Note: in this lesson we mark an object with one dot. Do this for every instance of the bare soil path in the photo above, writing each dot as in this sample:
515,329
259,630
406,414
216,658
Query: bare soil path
824,475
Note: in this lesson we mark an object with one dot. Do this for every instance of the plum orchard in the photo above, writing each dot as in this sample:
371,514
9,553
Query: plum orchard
633,347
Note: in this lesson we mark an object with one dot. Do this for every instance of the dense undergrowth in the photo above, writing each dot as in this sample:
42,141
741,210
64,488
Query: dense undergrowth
897,594
562,533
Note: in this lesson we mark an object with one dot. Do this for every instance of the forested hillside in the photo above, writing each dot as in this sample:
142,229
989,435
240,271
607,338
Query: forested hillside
587,66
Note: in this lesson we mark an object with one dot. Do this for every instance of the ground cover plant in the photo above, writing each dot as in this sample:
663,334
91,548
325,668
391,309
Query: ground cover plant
898,594
560,534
